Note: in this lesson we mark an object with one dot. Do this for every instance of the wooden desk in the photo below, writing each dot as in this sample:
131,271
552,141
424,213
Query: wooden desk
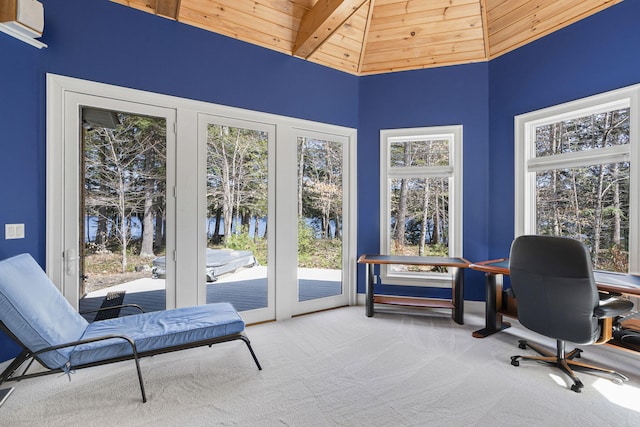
456,303
496,306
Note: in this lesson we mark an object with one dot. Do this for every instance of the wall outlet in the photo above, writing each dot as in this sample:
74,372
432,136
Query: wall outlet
13,231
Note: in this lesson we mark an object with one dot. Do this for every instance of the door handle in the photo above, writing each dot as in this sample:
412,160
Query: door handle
71,260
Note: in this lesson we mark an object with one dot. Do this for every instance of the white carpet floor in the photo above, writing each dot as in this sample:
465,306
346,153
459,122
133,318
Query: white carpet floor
339,368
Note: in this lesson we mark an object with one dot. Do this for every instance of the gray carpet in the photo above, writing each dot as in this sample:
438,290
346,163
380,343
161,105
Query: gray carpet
338,368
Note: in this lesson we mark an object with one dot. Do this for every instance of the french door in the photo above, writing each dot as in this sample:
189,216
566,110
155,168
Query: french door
322,218
251,208
111,176
278,210
237,256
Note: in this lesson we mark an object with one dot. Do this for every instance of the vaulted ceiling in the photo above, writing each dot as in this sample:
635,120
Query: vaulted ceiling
364,37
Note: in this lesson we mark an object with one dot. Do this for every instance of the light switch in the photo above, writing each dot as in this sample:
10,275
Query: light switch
13,231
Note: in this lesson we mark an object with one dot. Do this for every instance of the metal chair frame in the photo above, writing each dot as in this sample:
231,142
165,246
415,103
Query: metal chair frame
9,374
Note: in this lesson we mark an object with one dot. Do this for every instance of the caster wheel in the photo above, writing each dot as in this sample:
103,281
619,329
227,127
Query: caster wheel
576,388
522,345
514,361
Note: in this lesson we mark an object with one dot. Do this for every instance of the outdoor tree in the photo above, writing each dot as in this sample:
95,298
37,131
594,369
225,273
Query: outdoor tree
586,202
124,169
320,184
419,202
236,175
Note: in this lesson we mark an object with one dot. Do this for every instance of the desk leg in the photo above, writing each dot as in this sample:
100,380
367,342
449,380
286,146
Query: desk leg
458,297
492,319
369,289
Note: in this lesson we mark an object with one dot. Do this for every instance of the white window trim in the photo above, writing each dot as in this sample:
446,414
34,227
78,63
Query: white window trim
526,164
454,135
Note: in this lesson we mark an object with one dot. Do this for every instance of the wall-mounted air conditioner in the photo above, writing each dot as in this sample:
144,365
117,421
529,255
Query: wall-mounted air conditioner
23,19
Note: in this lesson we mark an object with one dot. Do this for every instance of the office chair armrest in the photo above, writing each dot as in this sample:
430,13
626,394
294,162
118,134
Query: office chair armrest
613,307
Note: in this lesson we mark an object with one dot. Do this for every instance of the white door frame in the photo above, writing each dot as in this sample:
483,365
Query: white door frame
347,297
204,119
64,180
188,209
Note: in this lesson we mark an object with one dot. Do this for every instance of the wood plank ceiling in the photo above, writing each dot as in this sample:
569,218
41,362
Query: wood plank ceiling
364,37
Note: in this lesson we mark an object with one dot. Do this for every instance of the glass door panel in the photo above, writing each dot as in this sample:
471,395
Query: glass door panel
110,160
237,254
319,218
322,212
122,212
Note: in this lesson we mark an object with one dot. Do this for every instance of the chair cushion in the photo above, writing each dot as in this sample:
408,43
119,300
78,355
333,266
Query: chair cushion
33,309
157,330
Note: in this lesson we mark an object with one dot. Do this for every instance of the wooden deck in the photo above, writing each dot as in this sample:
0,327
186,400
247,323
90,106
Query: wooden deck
249,293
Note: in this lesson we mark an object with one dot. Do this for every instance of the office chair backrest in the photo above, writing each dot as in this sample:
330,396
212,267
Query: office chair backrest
35,312
556,294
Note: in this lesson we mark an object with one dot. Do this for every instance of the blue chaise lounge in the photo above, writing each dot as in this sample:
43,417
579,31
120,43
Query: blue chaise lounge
37,316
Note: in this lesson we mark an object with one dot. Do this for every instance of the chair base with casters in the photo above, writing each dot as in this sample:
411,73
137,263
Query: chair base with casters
565,362
553,283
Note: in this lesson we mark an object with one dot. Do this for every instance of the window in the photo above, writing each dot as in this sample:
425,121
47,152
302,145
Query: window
421,200
576,176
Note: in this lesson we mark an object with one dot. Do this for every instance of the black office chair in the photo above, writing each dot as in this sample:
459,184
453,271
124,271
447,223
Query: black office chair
556,295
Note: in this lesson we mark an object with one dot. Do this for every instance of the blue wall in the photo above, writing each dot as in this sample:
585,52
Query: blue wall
435,97
594,55
22,158
110,43
106,42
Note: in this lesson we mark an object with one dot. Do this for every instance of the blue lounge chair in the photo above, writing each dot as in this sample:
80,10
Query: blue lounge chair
36,315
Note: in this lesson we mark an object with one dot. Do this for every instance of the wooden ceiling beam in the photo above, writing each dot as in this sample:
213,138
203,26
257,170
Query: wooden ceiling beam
485,29
168,8
365,36
320,22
